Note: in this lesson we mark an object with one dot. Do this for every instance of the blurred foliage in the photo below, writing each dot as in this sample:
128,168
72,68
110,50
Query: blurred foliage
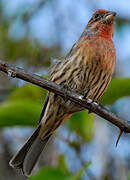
24,113
129,176
121,21
23,49
28,92
83,124
118,88
80,172
59,173
50,173
27,51
62,164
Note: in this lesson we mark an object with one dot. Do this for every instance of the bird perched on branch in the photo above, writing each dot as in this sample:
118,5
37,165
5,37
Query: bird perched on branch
87,69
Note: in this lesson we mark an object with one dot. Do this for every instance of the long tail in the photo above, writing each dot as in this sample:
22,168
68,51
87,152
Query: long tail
28,155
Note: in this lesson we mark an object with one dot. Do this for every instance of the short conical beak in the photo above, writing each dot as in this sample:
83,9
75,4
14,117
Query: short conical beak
112,13
110,16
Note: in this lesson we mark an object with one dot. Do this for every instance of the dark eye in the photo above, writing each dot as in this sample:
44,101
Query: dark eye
97,16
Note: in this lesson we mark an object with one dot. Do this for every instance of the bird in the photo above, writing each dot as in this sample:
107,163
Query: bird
87,69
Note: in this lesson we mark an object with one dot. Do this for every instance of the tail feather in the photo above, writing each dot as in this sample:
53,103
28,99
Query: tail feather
18,158
33,155
28,155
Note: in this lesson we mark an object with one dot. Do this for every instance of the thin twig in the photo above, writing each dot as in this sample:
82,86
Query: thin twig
119,136
97,108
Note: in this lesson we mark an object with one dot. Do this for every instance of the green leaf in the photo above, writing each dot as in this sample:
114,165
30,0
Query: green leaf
80,172
118,88
25,113
83,124
28,92
50,173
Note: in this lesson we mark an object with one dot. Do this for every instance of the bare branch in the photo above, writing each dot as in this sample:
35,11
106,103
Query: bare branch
97,108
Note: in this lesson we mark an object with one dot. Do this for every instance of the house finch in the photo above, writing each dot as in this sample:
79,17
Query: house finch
87,69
